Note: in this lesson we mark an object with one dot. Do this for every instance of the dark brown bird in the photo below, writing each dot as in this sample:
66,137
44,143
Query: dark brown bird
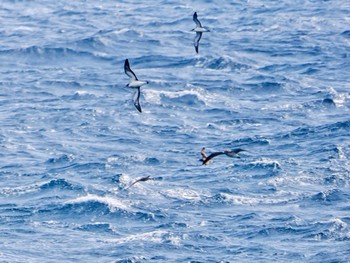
230,153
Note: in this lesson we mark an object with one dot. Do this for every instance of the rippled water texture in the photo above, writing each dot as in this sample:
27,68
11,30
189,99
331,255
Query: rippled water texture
271,77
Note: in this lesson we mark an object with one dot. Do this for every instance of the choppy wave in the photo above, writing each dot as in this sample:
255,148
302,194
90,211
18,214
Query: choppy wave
37,54
91,201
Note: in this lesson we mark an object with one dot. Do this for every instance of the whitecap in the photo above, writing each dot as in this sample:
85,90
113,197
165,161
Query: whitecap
154,96
261,200
112,202
156,236
199,94
266,162
19,190
184,194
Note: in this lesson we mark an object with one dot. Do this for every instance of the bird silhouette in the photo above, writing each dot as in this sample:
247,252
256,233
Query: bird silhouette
230,153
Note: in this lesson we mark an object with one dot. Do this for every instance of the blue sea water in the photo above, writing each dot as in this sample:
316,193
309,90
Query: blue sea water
271,77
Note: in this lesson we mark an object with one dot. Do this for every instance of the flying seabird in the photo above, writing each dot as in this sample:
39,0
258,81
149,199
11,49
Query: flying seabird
230,153
199,29
142,179
134,84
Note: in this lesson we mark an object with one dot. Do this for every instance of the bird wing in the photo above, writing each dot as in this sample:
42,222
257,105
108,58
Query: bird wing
195,19
211,156
128,70
136,99
196,40
238,150
204,154
143,179
234,152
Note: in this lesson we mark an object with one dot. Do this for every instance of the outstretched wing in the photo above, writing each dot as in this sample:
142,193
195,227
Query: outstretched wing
196,40
238,150
136,99
204,154
128,70
234,152
195,19
211,156
143,179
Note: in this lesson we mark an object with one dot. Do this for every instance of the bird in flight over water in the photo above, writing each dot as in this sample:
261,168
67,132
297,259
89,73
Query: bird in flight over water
142,179
230,153
199,29
135,84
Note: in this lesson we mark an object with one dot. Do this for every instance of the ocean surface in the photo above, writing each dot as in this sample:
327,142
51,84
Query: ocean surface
271,77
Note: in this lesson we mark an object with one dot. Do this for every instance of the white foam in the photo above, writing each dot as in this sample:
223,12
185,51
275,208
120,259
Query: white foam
263,199
23,189
341,99
267,161
211,99
85,93
154,96
121,31
300,179
338,224
156,236
337,229
182,193
125,179
112,202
